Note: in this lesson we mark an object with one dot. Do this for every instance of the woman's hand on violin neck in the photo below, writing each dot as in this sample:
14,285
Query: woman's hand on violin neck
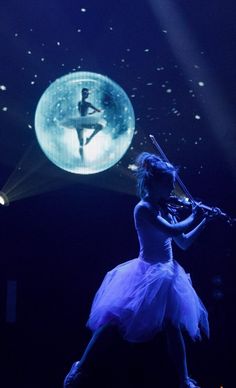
212,214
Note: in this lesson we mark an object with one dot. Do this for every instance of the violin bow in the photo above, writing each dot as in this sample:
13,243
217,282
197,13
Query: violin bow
165,159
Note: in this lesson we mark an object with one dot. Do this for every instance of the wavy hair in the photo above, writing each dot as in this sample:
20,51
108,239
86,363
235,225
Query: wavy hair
151,168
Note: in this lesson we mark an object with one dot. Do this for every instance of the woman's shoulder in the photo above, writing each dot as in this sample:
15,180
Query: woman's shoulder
142,204
143,208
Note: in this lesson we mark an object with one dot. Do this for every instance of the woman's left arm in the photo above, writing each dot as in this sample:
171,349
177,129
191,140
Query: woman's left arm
186,239
94,109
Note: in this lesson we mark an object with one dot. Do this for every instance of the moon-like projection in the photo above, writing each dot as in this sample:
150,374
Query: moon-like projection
84,122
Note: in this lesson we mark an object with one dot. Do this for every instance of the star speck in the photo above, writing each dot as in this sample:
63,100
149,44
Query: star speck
132,167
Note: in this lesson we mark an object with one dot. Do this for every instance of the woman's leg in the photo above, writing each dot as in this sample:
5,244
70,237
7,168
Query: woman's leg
80,133
177,351
81,141
92,351
97,128
97,343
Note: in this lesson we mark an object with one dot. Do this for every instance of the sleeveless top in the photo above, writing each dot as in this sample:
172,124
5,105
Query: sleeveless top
155,245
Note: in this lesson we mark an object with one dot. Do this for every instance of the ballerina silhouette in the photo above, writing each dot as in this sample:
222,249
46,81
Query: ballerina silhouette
85,121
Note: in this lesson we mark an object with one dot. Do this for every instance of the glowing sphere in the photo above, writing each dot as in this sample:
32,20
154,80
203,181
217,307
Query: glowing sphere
84,122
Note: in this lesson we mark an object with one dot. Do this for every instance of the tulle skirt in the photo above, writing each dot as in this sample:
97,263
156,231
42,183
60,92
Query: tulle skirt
140,297
88,121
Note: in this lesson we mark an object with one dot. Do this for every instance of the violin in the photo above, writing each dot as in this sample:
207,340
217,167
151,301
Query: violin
176,204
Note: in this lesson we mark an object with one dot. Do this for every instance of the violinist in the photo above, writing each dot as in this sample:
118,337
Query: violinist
152,292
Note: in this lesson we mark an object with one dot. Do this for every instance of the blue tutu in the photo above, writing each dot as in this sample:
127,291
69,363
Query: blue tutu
139,297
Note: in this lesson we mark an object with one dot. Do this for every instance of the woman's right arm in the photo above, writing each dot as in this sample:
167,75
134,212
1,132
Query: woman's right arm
172,229
178,228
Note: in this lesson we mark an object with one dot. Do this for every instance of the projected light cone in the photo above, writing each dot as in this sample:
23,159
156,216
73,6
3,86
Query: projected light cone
84,142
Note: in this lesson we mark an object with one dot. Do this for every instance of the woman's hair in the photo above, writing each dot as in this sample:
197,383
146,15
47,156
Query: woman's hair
151,168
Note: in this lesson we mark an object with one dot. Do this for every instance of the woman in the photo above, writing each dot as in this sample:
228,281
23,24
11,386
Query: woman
152,292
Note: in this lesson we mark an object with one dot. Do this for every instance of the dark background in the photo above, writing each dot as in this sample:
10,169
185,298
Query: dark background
58,245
